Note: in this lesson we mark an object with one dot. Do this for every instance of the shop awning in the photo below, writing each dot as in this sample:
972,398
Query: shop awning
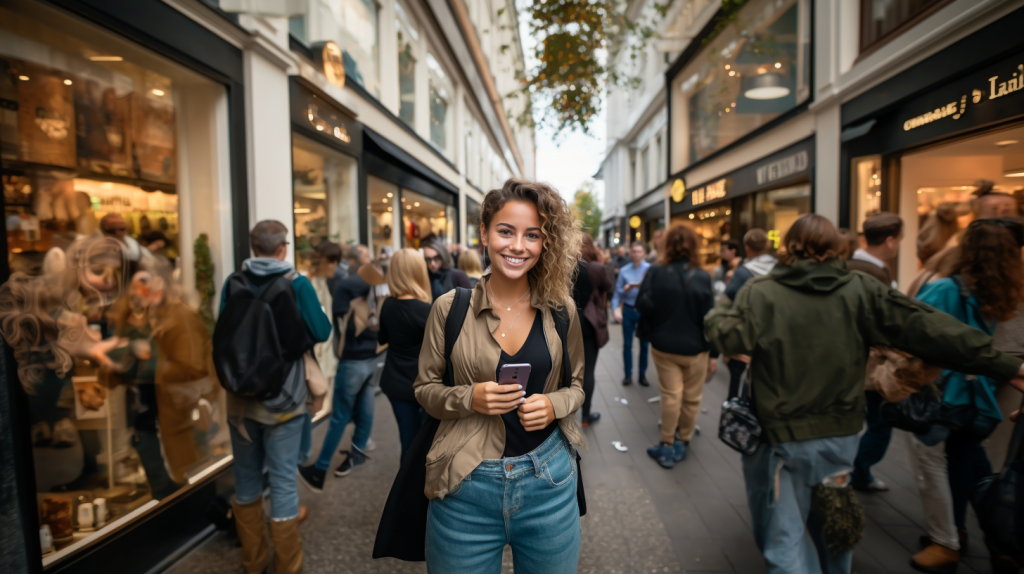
380,146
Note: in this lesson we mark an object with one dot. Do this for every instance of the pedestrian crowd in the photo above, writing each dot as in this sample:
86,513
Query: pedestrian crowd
488,357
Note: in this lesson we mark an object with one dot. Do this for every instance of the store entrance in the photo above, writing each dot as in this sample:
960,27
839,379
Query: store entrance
945,187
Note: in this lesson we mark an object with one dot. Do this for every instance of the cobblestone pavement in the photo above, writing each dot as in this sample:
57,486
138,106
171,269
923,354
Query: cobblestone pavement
641,517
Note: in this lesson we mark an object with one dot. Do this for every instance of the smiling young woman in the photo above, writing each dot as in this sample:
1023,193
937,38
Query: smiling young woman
500,438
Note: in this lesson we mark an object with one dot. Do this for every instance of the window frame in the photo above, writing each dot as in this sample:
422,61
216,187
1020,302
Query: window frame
866,49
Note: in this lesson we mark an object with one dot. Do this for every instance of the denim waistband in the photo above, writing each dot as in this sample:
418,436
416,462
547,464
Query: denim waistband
511,467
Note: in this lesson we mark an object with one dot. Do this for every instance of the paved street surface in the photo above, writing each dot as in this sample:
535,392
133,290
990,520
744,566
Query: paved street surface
642,518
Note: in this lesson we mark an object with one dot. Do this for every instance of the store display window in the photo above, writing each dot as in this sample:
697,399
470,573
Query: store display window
326,186
442,123
408,54
776,210
117,204
755,70
353,25
866,189
382,199
714,225
945,187
424,218
472,223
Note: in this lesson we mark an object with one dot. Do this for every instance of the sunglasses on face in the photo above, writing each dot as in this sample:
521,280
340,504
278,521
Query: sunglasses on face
1014,226
434,259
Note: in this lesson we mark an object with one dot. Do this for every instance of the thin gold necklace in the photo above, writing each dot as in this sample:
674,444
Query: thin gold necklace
507,307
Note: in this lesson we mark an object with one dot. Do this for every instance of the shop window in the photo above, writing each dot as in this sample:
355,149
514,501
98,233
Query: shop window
441,116
755,70
776,210
713,225
326,184
352,24
881,18
408,38
865,189
382,197
116,181
424,218
472,223
645,165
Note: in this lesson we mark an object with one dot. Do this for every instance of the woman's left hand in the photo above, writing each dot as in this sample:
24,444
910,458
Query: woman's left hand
536,413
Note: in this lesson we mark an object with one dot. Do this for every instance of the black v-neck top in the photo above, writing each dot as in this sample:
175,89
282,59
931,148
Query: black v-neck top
519,441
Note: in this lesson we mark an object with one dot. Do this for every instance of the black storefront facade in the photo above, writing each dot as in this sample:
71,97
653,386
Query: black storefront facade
920,142
132,108
769,193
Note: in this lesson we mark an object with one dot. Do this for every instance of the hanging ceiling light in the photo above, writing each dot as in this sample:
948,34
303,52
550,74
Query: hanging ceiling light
767,86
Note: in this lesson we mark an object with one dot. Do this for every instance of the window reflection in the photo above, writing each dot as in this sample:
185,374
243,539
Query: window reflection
352,24
424,218
441,92
325,186
408,37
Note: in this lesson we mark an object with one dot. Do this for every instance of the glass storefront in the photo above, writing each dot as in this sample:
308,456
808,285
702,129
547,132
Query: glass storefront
326,186
472,223
382,197
776,210
425,218
117,199
714,225
755,70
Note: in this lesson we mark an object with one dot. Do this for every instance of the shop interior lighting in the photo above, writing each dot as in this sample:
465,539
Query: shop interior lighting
1014,174
767,86
67,82
390,194
1005,143
385,200
408,207
106,58
403,200
23,78
727,66
417,204
302,210
778,65
691,216
159,92
389,209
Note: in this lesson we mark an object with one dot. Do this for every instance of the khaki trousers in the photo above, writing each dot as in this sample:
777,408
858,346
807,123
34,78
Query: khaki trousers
681,380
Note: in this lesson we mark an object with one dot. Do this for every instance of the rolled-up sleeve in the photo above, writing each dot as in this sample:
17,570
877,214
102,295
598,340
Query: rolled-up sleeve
439,400
567,400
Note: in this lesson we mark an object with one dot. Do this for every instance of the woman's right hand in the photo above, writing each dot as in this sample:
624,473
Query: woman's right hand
490,398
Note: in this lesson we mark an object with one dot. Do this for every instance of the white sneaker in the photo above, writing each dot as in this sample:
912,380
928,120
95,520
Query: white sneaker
370,445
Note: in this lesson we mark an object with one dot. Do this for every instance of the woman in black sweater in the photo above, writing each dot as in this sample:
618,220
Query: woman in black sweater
674,297
403,320
590,292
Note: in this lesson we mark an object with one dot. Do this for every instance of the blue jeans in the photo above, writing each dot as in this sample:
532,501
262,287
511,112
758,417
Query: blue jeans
276,449
410,416
873,443
306,444
353,401
630,317
779,480
528,502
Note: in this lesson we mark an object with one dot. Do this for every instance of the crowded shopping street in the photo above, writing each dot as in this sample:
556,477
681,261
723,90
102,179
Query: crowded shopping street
512,286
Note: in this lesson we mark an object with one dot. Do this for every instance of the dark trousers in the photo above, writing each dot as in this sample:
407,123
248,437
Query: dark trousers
736,369
966,463
590,350
873,444
410,416
630,318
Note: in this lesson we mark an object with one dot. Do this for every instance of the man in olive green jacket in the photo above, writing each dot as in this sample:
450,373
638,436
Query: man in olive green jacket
807,327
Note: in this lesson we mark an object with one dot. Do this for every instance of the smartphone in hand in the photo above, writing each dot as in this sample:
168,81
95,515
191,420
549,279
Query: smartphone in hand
514,374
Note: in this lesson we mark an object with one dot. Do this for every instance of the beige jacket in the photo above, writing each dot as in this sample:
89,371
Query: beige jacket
466,437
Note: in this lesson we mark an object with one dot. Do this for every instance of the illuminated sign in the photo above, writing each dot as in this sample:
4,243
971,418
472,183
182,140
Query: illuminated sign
782,168
709,192
678,192
956,109
775,237
331,126
634,221
331,62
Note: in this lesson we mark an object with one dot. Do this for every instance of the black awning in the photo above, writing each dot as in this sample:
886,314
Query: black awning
398,158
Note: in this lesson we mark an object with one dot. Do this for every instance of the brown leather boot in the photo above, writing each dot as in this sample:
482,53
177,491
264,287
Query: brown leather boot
287,546
252,532
303,513
936,558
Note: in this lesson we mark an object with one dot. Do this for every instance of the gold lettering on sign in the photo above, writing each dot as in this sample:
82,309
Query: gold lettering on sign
996,89
710,192
1012,85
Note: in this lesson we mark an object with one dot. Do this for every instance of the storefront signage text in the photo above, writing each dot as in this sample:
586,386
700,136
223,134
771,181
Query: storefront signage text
784,167
709,192
956,109
333,64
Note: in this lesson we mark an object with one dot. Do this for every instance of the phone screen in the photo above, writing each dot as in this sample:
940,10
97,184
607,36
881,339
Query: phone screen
514,374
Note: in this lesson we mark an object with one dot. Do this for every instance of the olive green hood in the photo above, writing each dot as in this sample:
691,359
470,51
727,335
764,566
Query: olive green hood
812,276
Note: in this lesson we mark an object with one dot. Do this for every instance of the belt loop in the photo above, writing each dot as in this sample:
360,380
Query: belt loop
536,465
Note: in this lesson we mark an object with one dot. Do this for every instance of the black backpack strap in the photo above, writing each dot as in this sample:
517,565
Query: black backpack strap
452,328
562,328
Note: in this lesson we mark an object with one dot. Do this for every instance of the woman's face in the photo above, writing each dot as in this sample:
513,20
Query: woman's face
514,241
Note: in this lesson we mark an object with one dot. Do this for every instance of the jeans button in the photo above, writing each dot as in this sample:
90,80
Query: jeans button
509,467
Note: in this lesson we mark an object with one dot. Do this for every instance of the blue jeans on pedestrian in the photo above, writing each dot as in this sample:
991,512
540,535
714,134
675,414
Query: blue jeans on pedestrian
630,317
306,444
528,502
780,479
353,401
873,443
410,417
274,448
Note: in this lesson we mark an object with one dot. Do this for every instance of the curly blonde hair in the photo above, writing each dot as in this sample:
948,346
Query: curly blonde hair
554,274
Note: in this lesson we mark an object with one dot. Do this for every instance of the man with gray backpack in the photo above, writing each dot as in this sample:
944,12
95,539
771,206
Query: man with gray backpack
269,318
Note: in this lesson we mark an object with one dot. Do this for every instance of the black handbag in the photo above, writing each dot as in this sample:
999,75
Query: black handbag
738,426
403,524
997,501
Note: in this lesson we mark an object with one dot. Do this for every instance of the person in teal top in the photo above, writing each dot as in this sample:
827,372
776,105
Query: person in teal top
985,286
